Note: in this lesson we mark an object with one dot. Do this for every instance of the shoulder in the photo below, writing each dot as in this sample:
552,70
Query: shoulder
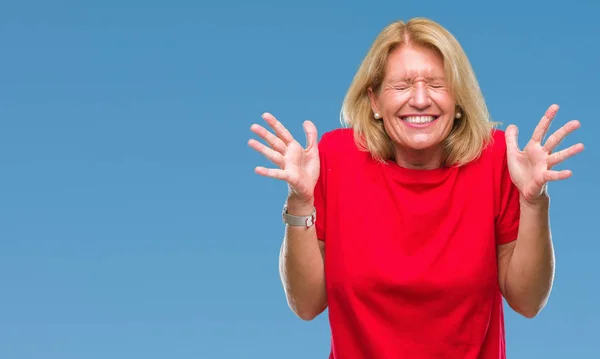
338,135
499,139
495,149
340,152
492,159
492,164
338,140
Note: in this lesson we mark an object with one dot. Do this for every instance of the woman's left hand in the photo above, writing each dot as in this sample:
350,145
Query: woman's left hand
531,169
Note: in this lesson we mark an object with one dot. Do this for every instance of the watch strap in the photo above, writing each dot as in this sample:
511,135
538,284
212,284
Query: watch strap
299,221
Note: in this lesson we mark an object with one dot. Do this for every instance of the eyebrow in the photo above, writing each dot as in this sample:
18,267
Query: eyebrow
435,78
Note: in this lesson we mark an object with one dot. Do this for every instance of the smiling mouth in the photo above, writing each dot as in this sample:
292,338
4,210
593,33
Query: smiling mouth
419,120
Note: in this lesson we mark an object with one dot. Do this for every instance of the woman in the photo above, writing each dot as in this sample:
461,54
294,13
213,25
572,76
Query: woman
414,222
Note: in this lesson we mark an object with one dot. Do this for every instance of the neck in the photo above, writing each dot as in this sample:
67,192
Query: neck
426,159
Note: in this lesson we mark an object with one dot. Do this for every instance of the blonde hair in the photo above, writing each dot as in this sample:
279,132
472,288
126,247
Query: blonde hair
469,134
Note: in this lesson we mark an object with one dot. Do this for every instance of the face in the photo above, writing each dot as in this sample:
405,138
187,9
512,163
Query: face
416,106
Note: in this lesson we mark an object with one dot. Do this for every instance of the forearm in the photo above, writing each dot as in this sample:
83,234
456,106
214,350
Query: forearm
301,266
530,272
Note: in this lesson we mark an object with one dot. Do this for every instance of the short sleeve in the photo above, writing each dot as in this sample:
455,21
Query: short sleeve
508,208
320,191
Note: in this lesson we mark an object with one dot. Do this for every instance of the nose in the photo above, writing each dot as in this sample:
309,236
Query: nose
420,97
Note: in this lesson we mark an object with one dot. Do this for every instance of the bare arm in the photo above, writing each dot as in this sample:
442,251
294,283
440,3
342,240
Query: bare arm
301,266
526,266
301,259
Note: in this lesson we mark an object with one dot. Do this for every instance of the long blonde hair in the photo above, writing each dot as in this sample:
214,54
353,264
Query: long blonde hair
469,134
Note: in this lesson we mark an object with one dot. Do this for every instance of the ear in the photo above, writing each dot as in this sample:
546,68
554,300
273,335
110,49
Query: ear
373,99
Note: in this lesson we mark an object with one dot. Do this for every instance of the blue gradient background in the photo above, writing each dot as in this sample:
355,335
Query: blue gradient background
131,222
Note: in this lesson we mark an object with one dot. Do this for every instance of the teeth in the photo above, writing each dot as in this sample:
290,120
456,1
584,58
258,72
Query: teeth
419,119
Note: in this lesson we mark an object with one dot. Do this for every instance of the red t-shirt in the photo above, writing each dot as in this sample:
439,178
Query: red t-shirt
410,255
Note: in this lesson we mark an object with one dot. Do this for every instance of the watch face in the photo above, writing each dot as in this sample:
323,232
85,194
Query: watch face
307,221
310,221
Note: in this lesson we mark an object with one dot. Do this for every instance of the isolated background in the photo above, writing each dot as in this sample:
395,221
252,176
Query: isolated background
131,222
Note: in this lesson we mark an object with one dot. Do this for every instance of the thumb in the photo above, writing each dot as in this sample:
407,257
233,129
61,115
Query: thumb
511,135
311,134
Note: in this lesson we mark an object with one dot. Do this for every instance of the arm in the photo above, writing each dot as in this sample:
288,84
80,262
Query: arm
301,259
301,265
526,266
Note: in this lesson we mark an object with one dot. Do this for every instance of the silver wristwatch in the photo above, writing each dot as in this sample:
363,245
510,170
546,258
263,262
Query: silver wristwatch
299,221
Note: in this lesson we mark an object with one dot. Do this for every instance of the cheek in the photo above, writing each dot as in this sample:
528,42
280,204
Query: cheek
391,102
444,100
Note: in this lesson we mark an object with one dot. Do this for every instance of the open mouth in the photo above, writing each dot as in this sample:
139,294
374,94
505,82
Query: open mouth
419,120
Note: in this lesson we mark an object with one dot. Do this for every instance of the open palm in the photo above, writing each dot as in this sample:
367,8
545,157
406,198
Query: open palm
531,168
298,166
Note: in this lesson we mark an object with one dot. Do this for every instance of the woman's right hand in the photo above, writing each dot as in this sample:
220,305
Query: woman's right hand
298,166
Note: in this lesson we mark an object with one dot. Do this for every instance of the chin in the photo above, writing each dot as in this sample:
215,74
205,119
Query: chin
420,142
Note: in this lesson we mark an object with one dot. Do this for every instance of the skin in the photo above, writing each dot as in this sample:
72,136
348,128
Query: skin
302,255
526,266
413,84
